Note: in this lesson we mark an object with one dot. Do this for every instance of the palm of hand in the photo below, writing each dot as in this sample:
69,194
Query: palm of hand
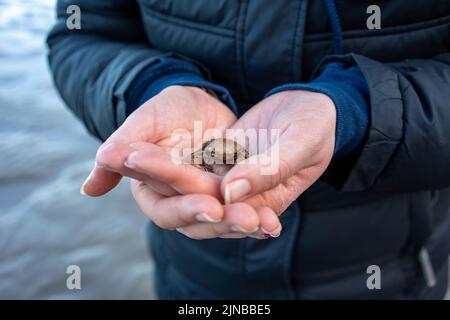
175,108
306,124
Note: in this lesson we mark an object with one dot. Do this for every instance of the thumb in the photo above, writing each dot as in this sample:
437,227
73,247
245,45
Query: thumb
106,173
99,182
111,156
262,172
109,167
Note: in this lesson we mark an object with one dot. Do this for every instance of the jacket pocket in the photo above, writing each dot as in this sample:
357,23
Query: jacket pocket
204,36
217,15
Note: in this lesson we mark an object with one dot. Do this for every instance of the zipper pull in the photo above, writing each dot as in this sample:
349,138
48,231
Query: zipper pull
427,267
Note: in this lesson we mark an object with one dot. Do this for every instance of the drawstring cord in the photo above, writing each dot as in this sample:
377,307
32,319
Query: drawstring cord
335,25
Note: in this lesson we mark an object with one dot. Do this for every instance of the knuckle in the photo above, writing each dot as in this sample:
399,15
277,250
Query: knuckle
105,154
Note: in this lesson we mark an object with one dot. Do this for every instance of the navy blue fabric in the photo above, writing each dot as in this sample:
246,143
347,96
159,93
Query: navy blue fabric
168,72
346,86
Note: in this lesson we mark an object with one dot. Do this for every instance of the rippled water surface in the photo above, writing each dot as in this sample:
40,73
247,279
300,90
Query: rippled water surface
45,154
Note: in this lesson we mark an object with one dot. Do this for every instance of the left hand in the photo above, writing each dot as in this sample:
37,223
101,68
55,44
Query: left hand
306,122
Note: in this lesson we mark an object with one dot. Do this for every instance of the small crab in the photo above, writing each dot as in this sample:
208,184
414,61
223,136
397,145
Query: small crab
218,151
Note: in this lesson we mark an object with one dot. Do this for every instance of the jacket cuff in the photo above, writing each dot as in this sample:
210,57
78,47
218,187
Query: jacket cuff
168,72
386,129
347,87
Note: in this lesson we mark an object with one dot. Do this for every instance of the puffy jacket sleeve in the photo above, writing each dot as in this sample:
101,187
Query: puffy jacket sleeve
408,143
93,67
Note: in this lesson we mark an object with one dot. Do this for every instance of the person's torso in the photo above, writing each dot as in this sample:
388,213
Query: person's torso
329,238
251,46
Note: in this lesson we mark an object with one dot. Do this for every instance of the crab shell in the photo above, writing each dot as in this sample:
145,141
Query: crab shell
196,159
223,151
218,151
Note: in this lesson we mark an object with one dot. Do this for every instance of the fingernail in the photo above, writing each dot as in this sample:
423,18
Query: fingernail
236,190
204,217
237,228
84,183
128,165
269,234
130,162
82,190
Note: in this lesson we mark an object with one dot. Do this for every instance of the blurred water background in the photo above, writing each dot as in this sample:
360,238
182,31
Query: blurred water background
45,154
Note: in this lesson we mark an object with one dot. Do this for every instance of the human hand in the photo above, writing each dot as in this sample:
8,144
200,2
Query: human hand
173,108
306,122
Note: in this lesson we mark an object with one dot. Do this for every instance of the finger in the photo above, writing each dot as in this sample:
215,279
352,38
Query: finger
161,188
264,171
115,155
184,178
270,224
109,169
236,235
107,172
174,212
99,182
239,218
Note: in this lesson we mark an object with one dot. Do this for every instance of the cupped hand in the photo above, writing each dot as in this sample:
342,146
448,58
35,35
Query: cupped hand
306,124
176,107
